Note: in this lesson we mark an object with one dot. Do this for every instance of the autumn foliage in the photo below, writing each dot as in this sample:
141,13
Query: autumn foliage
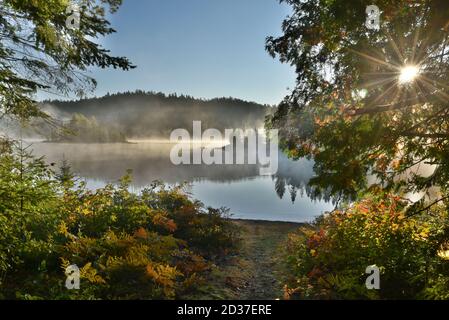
328,259
159,244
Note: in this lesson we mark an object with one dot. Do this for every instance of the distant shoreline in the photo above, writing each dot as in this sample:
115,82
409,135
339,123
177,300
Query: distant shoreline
83,142
269,222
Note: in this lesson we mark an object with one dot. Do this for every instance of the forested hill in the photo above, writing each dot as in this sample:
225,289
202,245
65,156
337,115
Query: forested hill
149,114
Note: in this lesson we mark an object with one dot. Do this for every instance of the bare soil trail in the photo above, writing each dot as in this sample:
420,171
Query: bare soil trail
256,272
262,241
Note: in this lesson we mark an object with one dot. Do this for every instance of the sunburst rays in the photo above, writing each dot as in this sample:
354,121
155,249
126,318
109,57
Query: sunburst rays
408,71
408,74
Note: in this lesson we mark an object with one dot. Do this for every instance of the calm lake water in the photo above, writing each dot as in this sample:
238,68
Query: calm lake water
282,197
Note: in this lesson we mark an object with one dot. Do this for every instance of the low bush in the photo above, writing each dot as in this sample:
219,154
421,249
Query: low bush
155,245
328,259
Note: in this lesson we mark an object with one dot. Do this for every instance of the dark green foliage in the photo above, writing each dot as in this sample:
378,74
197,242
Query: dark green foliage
156,245
366,130
39,50
81,129
151,114
391,129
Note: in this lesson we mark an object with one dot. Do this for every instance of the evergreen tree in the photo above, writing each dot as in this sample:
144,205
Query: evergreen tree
41,49
351,110
65,175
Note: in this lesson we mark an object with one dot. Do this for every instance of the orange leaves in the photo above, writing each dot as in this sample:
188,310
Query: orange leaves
192,263
377,217
316,272
141,233
159,219
187,209
165,276
323,122
314,241
382,163
289,292
363,209
329,259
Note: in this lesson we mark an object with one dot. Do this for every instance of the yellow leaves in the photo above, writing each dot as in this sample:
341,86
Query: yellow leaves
83,210
165,276
444,254
64,263
62,229
90,273
87,272
374,221
422,235
396,164
86,212
394,227
294,153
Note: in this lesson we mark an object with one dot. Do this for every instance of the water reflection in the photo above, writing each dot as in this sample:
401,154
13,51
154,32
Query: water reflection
293,177
238,187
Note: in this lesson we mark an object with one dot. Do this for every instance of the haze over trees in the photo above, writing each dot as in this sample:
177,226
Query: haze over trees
150,114
350,111
86,130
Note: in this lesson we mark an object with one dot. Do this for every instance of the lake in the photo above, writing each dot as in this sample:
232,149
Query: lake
281,197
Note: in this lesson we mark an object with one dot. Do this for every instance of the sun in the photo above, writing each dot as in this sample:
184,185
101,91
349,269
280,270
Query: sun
408,74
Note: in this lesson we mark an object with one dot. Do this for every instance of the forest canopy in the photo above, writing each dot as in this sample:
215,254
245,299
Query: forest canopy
370,107
152,114
85,130
350,110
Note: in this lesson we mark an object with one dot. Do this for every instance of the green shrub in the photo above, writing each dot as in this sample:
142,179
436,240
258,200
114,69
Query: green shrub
328,259
157,245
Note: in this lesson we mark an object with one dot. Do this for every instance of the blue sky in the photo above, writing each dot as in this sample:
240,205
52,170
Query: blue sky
203,48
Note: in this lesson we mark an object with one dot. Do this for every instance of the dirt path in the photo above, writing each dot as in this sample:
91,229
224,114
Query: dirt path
261,252
256,271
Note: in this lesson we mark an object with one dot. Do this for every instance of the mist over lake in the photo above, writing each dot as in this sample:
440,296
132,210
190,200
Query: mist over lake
232,150
102,138
238,187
